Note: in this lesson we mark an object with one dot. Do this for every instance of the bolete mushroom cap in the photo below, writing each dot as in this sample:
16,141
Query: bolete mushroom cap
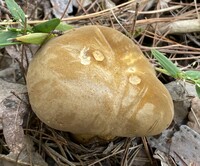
95,81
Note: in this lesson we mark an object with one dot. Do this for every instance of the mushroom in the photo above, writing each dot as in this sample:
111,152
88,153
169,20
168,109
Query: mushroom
94,81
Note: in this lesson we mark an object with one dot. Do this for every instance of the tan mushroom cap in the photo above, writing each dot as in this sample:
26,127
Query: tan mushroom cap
95,81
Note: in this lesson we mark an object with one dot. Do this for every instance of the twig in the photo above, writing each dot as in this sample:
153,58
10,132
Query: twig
134,19
196,8
127,33
158,10
125,156
147,149
182,26
120,151
34,10
196,118
85,11
65,9
18,97
57,155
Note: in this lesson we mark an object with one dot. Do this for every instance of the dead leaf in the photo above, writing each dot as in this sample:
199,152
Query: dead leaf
13,112
163,142
194,115
13,107
162,157
180,91
9,73
16,53
185,146
109,4
26,157
60,5
5,91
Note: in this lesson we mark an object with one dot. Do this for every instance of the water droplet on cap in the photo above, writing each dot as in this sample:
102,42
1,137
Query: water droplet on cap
98,55
135,80
131,70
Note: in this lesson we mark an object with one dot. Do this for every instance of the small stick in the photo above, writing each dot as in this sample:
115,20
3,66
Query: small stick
147,149
195,2
127,145
84,11
196,118
65,9
134,19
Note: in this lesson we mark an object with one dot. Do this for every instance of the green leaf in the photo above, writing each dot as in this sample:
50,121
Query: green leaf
193,75
2,45
6,38
34,38
166,63
16,11
47,26
64,27
197,87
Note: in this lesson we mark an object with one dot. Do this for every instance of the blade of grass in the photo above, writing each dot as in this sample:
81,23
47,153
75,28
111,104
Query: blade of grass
194,75
6,38
16,11
166,63
197,87
2,45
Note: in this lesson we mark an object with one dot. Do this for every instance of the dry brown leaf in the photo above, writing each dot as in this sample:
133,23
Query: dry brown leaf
12,110
13,107
13,113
